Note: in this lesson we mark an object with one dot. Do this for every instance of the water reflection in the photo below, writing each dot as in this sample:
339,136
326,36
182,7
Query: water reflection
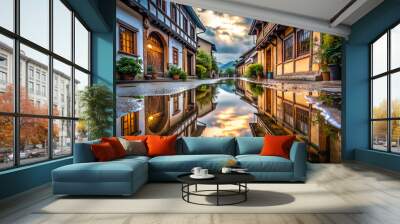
241,108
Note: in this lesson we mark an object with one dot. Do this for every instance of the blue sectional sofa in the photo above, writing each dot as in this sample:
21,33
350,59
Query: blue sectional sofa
125,176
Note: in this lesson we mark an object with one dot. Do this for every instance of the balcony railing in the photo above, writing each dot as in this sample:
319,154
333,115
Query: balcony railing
162,17
266,31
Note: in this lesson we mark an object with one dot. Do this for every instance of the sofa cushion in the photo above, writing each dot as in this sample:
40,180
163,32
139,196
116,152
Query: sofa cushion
134,147
185,163
208,145
277,145
257,163
116,145
161,145
249,145
103,152
112,171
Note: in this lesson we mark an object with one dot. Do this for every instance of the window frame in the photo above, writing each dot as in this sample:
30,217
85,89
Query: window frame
285,59
175,103
134,32
175,56
16,114
388,75
299,52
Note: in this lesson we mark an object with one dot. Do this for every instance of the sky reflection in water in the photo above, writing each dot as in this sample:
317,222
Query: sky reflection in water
231,116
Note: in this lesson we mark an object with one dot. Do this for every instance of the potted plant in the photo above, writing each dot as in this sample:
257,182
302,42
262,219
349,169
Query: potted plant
331,54
129,68
174,72
151,71
97,110
255,71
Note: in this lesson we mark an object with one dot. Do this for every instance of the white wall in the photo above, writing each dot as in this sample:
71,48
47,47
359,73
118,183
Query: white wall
133,19
178,45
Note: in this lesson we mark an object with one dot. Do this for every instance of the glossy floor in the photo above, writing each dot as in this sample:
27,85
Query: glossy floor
378,189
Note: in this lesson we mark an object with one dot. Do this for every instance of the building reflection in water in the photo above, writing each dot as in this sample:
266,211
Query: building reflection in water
241,108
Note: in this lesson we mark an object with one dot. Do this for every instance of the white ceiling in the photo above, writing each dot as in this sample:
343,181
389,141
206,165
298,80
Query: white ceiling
317,15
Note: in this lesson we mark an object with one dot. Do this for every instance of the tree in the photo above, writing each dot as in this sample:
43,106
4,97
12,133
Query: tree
97,104
214,66
230,71
205,60
201,71
33,131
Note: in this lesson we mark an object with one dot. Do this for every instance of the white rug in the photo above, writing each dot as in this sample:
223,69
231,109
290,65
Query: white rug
166,198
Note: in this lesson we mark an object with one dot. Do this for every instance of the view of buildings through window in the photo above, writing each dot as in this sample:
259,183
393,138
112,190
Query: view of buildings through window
39,123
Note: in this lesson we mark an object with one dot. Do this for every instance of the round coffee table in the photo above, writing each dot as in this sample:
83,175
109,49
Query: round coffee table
238,179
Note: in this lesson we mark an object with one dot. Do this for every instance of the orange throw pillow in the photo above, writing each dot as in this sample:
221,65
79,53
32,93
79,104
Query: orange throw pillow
161,145
277,145
136,137
103,152
116,145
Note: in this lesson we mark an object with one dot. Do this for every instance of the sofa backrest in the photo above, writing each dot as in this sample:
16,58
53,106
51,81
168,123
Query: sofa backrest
83,152
249,145
206,145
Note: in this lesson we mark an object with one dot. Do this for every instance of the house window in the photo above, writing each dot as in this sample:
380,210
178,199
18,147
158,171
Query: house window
127,40
268,103
175,56
130,124
288,114
162,5
175,99
185,24
385,96
288,48
192,31
302,119
174,13
3,77
303,42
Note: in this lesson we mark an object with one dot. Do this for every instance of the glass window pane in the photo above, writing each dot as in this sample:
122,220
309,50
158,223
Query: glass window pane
395,136
62,29
33,139
379,97
81,45
7,14
379,135
35,21
62,89
395,94
81,82
62,138
6,74
6,142
395,47
379,56
34,96
81,131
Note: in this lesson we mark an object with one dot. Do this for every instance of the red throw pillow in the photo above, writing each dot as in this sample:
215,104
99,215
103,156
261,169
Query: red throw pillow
277,145
116,145
161,145
103,152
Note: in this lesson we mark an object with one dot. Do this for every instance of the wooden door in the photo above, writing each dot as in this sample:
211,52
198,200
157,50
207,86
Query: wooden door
189,64
155,53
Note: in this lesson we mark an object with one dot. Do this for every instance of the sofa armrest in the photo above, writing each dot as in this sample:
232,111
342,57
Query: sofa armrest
83,152
298,156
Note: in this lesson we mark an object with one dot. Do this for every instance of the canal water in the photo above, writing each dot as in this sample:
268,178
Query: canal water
237,107
230,116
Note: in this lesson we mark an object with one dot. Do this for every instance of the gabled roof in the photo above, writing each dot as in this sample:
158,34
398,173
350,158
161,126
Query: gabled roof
213,47
195,17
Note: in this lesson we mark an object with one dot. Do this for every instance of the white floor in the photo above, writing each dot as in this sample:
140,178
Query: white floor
377,190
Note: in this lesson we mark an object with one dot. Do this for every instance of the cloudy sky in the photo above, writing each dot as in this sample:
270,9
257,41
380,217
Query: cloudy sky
228,32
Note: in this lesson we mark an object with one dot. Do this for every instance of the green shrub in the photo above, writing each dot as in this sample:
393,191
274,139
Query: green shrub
174,70
256,90
230,71
204,59
201,71
254,70
127,65
183,75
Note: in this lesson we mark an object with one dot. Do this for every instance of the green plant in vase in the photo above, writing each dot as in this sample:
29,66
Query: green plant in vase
174,72
97,105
